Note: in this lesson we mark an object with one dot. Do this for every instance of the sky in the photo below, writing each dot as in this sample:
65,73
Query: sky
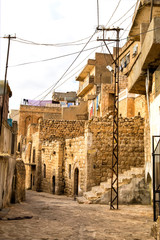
54,22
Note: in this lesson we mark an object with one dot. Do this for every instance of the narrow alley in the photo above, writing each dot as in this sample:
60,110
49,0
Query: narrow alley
51,217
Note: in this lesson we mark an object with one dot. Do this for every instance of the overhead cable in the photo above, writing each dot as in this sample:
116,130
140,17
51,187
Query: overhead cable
113,12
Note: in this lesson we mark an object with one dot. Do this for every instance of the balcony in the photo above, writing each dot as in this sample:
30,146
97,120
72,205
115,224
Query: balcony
148,59
87,85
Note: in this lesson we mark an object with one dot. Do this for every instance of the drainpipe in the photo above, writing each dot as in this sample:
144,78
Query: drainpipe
147,93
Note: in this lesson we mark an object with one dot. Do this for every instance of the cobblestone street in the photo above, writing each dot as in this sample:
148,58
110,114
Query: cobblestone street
45,216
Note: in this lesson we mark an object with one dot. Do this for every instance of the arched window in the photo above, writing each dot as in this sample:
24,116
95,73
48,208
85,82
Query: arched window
19,147
34,154
44,173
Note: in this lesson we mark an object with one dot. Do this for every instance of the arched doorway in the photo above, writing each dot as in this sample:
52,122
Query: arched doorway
54,184
76,181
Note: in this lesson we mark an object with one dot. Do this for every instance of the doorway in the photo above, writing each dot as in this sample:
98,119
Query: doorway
54,184
76,181
31,182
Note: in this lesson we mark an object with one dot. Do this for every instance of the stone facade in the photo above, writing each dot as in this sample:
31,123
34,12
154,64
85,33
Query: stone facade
73,156
18,183
96,87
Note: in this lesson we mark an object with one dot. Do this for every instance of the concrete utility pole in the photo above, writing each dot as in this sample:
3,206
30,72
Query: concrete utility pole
114,179
5,80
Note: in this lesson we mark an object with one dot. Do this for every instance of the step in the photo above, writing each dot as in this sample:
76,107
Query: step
137,171
82,200
123,177
90,195
98,190
106,185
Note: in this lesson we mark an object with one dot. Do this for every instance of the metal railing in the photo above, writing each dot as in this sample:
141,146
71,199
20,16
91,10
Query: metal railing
156,176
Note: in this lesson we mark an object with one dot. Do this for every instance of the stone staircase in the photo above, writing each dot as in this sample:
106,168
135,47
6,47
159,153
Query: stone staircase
132,189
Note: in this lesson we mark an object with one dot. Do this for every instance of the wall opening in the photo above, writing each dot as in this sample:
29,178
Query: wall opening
31,182
34,154
19,147
69,171
54,184
12,143
44,172
76,181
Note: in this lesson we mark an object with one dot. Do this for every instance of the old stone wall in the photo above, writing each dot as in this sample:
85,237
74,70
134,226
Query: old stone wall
7,167
49,146
32,114
75,158
107,99
52,167
99,147
51,129
18,185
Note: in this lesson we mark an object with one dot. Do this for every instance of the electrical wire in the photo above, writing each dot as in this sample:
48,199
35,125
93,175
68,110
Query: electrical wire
70,71
113,13
69,66
123,15
50,59
50,45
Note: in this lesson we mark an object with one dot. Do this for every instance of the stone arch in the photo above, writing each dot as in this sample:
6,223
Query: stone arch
28,121
40,119
149,178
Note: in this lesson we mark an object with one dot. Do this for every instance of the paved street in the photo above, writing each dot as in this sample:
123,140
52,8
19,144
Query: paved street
45,216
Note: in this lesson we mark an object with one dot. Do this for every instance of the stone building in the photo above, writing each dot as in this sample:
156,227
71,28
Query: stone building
71,157
8,165
95,85
140,66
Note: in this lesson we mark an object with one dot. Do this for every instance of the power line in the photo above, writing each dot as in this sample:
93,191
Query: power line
69,66
69,54
113,13
50,59
123,15
70,72
52,44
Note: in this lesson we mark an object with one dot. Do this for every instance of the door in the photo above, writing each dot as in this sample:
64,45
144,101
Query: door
31,182
76,181
156,176
54,184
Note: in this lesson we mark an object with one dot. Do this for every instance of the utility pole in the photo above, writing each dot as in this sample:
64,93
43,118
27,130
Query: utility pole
5,80
114,178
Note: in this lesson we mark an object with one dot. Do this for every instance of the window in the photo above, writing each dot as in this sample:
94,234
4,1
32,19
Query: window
34,153
33,180
125,61
44,174
12,144
19,147
69,171
135,50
